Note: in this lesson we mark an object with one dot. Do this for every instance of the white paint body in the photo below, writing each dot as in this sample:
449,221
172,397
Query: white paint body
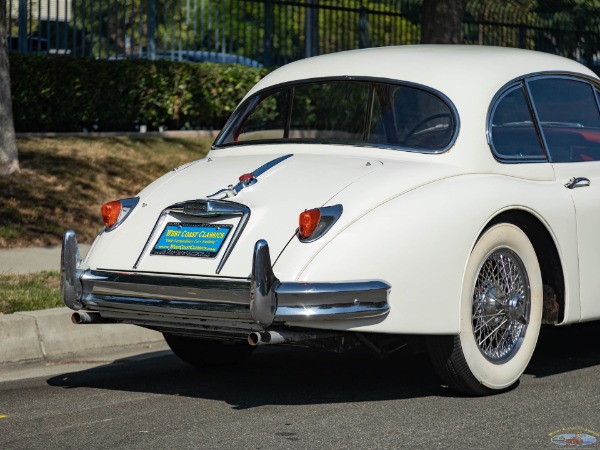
410,219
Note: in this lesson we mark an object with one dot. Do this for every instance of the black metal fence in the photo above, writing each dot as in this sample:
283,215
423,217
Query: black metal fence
273,32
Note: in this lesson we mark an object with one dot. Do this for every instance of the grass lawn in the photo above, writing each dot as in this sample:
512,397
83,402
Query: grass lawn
29,292
63,183
65,180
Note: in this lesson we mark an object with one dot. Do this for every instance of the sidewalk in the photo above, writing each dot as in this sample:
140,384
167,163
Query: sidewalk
49,334
32,259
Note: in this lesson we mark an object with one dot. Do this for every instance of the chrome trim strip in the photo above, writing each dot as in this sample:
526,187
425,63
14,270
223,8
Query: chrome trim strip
267,166
232,191
205,208
264,301
150,238
536,117
273,300
173,302
164,287
165,295
326,301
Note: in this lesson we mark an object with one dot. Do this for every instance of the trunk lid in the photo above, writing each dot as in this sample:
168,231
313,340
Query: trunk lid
277,188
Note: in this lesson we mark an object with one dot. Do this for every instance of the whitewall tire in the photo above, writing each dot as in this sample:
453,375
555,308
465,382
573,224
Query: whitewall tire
501,312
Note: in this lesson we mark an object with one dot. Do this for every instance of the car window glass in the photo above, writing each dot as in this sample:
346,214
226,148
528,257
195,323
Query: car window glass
422,120
329,111
377,131
513,132
268,119
346,111
569,118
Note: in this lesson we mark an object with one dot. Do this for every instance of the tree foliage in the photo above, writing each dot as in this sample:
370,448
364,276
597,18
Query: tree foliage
118,95
566,27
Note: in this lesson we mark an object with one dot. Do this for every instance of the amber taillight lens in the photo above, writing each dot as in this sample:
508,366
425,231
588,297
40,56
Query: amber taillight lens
308,222
314,223
110,213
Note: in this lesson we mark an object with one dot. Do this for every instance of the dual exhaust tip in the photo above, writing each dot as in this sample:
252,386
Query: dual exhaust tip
255,338
83,317
268,337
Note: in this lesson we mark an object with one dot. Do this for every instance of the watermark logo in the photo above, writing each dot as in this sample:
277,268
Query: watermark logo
574,437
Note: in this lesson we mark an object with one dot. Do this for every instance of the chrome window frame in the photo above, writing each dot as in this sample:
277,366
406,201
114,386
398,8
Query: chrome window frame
243,106
523,82
596,89
501,95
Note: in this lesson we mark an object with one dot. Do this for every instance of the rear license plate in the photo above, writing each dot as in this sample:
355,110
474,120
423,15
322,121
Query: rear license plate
191,239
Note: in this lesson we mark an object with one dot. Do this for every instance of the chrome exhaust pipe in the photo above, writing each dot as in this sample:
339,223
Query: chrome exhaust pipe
271,337
84,317
286,337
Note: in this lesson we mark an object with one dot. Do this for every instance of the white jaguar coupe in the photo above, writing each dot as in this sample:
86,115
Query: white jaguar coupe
449,194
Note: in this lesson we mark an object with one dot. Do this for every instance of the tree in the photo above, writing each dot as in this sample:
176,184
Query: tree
441,21
578,22
9,159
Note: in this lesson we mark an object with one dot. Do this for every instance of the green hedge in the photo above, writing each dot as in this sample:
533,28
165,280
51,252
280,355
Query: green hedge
64,93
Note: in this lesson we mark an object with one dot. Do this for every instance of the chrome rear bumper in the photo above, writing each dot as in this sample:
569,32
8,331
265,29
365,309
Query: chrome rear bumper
236,306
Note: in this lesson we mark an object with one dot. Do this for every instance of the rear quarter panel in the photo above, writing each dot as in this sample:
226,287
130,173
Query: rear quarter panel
420,242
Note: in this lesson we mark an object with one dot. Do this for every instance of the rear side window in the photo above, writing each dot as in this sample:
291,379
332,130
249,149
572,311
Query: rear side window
569,118
555,118
358,112
513,133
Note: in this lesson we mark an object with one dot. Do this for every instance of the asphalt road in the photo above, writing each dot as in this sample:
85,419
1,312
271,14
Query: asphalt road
293,398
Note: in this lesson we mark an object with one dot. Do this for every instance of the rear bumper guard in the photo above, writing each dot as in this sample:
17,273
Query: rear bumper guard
263,299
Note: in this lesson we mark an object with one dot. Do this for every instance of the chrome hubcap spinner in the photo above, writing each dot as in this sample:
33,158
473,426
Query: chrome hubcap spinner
501,304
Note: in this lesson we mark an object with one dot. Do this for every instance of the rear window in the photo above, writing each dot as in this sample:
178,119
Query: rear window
345,112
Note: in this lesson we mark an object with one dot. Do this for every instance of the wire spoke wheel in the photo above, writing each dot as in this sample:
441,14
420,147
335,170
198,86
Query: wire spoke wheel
501,304
500,315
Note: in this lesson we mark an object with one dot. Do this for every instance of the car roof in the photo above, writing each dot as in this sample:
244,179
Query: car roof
468,75
452,69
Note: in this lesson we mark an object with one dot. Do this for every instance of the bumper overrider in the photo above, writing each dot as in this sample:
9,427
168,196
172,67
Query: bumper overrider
212,305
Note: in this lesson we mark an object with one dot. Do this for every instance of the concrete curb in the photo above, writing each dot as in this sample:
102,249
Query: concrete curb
50,335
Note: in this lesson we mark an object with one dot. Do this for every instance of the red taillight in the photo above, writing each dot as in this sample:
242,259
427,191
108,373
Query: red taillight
110,213
308,221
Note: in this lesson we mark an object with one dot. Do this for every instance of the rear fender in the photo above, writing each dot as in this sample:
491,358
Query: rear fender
420,242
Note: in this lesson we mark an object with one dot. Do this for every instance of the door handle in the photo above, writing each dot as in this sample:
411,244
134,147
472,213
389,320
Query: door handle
577,182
